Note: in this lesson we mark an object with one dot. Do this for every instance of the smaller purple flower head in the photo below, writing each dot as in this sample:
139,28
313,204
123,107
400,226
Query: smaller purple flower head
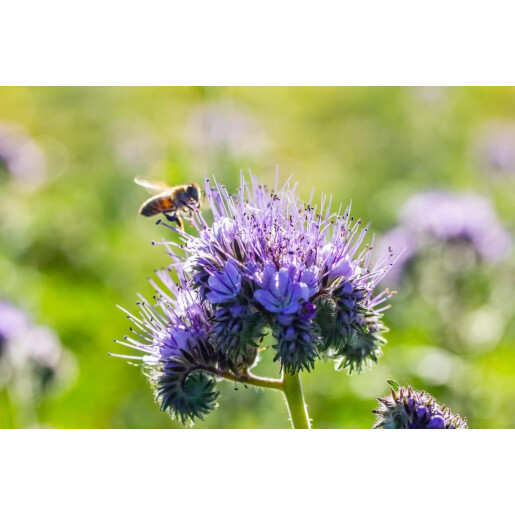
408,409
31,351
445,216
176,324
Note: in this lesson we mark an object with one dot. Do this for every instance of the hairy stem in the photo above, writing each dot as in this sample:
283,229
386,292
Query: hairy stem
262,382
292,390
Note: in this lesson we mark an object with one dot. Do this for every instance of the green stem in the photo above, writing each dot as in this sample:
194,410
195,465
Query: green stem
292,390
262,382
289,384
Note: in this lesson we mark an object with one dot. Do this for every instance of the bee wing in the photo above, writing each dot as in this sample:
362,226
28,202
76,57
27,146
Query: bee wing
151,184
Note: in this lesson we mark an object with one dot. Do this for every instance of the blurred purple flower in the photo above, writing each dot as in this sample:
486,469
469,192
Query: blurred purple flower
442,216
21,156
28,350
447,216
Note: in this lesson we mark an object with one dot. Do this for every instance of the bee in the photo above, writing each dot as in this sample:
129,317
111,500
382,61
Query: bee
170,200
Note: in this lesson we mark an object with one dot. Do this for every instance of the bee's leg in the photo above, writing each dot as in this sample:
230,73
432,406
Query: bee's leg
171,216
174,217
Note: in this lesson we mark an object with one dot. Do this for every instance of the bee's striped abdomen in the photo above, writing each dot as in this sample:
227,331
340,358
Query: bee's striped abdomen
158,204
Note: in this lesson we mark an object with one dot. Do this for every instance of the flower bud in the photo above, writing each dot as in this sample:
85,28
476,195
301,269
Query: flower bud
408,409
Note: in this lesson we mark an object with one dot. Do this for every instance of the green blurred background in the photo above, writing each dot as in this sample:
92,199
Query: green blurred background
72,245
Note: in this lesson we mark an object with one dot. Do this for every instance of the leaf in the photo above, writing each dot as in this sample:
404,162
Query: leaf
393,384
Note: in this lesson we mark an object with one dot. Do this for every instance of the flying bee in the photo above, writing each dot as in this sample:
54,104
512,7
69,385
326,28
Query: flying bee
170,200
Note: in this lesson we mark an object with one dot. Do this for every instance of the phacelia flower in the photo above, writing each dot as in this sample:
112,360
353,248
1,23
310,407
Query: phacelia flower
267,263
440,216
408,409
33,352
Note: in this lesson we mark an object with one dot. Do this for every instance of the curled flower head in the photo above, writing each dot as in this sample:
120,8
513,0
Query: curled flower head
408,409
173,337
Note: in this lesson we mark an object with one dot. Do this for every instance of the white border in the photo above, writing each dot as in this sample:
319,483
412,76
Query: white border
271,42
243,43
223,471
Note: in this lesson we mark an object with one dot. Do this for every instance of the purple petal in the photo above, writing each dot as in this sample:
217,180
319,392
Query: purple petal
234,276
281,283
268,301
437,422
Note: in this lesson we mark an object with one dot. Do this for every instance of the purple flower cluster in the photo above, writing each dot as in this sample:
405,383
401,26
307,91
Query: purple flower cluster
408,409
273,261
440,216
266,262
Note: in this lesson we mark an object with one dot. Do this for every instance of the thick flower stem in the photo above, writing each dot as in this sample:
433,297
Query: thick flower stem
294,396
